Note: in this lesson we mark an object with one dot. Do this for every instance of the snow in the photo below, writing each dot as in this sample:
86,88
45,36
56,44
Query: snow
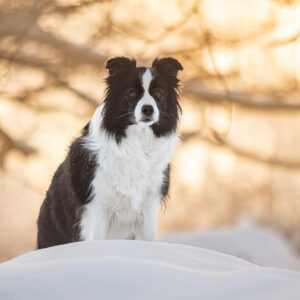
247,240
124,269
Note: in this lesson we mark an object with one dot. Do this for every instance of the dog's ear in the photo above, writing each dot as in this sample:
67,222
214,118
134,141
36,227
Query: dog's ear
168,65
119,64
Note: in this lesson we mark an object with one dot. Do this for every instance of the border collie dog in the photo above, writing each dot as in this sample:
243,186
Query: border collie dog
116,173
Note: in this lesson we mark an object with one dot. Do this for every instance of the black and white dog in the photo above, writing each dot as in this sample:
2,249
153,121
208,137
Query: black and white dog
117,172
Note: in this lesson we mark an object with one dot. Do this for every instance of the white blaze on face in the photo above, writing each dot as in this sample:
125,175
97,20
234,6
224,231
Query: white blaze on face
147,99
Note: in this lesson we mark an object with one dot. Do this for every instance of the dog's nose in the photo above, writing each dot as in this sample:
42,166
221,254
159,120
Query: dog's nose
147,110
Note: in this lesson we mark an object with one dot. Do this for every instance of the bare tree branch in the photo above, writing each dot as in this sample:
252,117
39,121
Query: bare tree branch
67,9
284,41
193,88
219,142
20,145
44,66
80,53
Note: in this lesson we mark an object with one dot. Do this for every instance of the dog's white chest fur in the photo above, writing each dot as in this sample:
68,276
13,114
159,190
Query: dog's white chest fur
126,189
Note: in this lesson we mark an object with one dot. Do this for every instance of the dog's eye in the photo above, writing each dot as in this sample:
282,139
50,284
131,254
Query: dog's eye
157,93
132,93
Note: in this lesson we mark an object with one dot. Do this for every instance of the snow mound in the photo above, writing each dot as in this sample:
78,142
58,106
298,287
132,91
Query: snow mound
247,240
140,270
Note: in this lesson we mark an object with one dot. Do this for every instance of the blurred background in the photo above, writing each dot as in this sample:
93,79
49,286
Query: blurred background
240,129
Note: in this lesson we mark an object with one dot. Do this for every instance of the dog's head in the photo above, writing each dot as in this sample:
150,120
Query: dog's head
139,96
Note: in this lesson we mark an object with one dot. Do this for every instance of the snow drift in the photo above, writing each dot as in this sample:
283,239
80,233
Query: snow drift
140,270
247,240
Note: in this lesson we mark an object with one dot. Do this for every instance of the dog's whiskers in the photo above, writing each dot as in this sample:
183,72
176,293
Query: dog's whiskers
124,115
163,114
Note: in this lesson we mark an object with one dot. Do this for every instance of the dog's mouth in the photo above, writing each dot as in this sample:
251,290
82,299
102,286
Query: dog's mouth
147,120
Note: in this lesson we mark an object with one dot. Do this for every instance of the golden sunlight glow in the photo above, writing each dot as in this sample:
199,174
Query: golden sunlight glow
191,158
240,133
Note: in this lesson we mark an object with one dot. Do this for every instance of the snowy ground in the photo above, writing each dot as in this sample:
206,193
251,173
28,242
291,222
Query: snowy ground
141,270
246,240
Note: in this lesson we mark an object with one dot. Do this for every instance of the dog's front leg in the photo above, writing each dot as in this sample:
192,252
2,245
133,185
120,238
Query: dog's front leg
150,219
94,223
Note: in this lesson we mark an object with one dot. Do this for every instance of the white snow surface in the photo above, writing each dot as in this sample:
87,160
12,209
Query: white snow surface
124,269
247,240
